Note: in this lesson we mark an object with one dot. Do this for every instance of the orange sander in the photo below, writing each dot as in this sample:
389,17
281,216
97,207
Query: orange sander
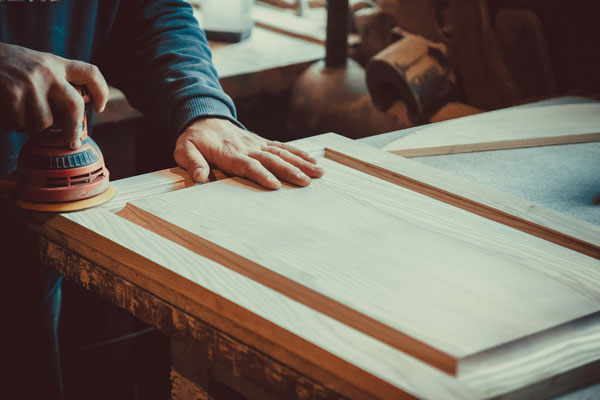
51,177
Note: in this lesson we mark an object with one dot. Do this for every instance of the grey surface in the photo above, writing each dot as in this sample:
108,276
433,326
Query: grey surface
565,178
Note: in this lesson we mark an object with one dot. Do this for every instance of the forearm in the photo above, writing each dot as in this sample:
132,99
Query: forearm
160,58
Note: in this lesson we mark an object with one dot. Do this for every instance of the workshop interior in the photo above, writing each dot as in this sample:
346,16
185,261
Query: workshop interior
300,68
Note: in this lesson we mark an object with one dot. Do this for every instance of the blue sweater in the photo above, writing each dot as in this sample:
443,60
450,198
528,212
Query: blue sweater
153,50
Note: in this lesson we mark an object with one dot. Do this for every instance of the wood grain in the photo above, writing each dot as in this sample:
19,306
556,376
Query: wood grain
360,250
512,211
504,129
238,305
331,352
288,287
207,352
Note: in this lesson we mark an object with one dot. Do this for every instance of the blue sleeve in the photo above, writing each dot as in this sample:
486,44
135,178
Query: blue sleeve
158,55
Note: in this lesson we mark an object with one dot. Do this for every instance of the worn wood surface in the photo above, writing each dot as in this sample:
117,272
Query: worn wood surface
342,359
504,129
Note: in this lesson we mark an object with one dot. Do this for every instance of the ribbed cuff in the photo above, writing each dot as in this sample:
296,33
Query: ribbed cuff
201,107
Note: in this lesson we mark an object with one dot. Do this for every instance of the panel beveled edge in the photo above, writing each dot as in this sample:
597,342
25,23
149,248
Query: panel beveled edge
210,307
348,153
296,291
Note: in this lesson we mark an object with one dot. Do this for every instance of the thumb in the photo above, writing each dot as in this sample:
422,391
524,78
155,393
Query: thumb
188,157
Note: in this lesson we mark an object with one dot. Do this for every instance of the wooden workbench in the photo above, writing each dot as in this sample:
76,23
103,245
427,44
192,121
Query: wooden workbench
214,340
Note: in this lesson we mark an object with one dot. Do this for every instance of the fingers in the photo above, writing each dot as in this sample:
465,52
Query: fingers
293,150
70,108
36,91
84,74
282,169
188,157
39,113
246,167
239,152
308,168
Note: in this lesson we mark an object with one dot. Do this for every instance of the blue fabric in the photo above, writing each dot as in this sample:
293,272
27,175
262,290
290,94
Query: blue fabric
153,51
10,146
30,299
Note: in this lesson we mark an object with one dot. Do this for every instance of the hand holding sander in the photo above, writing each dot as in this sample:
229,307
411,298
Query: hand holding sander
54,178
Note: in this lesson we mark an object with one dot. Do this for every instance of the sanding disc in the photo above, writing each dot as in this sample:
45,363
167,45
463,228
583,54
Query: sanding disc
77,205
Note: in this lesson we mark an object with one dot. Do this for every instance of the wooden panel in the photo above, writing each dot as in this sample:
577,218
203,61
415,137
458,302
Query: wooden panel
504,129
338,356
241,307
493,204
342,358
361,250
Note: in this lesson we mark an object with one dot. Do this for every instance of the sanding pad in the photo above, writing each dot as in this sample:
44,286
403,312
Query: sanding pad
77,205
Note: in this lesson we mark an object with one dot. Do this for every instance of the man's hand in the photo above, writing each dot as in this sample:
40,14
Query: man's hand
222,144
36,91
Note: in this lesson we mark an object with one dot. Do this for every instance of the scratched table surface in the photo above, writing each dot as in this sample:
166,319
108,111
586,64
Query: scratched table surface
565,178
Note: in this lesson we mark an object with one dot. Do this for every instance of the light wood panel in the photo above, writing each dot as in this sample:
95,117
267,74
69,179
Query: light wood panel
319,346
425,277
512,211
246,309
504,129
343,358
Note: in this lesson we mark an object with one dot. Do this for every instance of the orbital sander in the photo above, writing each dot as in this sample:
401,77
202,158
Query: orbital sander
54,178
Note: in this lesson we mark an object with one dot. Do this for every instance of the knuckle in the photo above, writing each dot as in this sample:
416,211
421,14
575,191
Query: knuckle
43,71
45,120
269,157
86,67
26,85
194,164
15,96
247,165
275,150
286,153
248,140
94,69
96,74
